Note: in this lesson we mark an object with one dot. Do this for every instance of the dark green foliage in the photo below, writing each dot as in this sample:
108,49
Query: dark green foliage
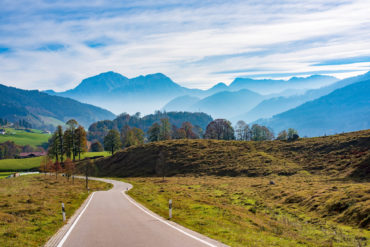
97,147
98,130
153,133
261,133
220,129
112,141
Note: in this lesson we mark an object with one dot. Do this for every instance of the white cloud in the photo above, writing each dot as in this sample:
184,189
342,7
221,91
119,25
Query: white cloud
190,42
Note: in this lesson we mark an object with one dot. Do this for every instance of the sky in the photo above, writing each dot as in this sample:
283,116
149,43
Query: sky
55,44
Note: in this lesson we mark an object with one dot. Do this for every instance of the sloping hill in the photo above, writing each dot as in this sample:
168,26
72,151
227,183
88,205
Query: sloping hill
345,109
340,156
43,110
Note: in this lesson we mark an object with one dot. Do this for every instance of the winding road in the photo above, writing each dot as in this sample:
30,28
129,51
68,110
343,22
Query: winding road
112,218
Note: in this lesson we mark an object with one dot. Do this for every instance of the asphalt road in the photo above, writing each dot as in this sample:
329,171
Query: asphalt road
111,218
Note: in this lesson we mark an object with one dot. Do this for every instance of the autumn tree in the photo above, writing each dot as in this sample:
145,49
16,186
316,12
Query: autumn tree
112,141
153,133
69,168
261,133
220,129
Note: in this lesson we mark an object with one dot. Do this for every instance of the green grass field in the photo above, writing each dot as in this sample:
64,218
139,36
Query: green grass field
30,207
301,210
21,137
34,163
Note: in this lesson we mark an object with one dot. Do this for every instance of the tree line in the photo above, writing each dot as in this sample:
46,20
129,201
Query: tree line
219,129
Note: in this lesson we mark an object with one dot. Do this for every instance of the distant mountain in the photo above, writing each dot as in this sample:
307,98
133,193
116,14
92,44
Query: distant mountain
269,86
181,103
276,105
152,92
345,109
45,111
228,104
120,94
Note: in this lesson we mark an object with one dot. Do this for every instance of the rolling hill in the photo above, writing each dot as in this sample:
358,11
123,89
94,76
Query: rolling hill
45,111
345,109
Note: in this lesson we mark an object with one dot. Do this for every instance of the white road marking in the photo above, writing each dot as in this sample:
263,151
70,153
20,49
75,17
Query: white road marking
161,220
74,223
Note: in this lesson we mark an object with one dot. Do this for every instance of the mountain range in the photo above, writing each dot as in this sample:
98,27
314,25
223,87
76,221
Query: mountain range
343,110
44,111
146,94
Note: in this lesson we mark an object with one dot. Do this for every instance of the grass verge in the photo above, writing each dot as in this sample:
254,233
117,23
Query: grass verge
300,210
30,207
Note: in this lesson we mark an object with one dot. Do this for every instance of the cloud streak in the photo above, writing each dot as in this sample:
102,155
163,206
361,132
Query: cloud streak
56,45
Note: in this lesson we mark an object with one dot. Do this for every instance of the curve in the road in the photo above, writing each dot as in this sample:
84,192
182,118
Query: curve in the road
112,218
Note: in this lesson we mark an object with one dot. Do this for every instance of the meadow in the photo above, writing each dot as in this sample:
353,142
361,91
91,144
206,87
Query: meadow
300,210
21,137
34,163
30,207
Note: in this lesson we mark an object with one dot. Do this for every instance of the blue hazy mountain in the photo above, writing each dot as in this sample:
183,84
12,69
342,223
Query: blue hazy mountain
152,92
276,105
181,103
343,110
269,86
45,111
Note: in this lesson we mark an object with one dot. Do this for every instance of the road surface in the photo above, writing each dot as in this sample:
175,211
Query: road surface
111,218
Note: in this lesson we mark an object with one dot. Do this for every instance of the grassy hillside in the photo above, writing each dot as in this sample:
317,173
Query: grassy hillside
30,207
342,156
22,137
299,210
34,163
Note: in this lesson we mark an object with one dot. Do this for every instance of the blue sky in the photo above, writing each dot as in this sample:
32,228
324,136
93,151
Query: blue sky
56,44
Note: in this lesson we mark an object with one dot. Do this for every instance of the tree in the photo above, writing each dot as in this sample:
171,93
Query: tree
53,151
261,133
57,168
112,141
240,130
219,129
96,147
188,128
136,136
125,135
72,125
60,143
68,143
69,168
153,133
80,141
282,136
292,134
165,130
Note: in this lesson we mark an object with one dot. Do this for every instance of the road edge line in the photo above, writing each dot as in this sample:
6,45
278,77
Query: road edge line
165,222
60,244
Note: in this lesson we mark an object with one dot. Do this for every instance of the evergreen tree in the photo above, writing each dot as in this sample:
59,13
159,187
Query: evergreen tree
72,125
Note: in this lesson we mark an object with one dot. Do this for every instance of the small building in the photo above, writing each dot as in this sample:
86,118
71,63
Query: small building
2,132
46,132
